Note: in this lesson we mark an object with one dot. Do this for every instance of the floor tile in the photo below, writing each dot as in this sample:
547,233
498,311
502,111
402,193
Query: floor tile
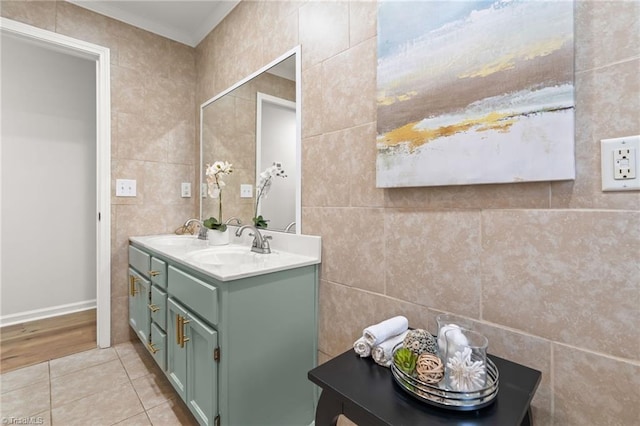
82,383
171,413
138,364
153,389
138,420
103,408
24,376
81,360
25,402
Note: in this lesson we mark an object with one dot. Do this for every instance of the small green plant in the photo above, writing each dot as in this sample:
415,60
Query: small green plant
405,360
260,222
212,223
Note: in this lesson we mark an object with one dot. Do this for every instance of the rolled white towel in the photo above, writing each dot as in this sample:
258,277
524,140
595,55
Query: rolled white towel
382,354
362,348
378,333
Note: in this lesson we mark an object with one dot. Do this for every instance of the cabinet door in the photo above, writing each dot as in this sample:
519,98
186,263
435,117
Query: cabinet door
176,352
202,371
139,298
158,346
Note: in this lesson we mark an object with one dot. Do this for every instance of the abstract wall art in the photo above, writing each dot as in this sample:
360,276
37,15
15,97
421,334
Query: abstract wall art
473,92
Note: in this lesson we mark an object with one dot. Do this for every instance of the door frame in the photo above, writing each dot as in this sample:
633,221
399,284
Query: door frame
101,56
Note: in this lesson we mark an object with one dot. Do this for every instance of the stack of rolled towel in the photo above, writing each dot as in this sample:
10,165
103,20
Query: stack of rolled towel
378,340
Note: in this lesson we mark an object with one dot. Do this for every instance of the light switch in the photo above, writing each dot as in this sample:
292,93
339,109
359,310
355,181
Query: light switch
620,163
125,187
185,190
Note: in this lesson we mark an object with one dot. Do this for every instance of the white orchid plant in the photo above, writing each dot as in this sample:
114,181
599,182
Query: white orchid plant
214,173
266,179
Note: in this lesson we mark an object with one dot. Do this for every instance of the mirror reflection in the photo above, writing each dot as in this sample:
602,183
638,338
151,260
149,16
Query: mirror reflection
255,126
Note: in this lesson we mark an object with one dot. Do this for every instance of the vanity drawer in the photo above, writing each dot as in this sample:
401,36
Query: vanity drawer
159,307
158,346
201,297
158,272
139,260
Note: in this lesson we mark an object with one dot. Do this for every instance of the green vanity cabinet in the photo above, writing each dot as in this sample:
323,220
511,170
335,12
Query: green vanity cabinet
148,301
139,295
191,365
238,351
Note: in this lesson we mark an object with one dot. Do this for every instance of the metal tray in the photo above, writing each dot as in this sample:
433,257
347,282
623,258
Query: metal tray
447,398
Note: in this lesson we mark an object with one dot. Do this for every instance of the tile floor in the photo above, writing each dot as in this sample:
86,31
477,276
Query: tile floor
120,385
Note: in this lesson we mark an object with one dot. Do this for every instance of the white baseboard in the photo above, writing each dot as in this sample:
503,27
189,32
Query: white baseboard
53,311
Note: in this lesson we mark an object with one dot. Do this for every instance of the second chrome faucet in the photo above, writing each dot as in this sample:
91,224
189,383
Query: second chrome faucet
260,242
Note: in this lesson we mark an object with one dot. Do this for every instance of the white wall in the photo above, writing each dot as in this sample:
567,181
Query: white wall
278,144
48,182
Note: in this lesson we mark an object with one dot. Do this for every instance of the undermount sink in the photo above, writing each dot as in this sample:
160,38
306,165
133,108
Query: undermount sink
218,256
174,240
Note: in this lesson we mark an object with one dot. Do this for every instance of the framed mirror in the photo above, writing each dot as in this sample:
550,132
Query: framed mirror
256,126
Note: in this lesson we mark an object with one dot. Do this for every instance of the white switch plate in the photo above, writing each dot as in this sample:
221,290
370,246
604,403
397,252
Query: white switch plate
125,188
620,161
185,190
203,190
246,191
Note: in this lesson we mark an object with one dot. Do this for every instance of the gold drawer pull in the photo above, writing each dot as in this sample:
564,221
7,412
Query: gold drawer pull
178,329
154,308
152,348
154,273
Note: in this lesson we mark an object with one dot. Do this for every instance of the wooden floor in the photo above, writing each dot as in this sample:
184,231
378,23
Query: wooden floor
37,341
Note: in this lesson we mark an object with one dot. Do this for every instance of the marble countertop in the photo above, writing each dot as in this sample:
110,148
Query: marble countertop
235,260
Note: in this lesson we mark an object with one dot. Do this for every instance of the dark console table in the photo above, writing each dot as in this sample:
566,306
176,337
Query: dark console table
368,395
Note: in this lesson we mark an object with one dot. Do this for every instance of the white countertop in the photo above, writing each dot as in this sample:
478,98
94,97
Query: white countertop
288,251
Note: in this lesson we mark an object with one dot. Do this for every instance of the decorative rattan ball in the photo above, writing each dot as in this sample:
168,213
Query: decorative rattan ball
420,341
429,368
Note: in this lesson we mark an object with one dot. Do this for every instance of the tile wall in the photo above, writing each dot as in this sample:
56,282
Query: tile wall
547,270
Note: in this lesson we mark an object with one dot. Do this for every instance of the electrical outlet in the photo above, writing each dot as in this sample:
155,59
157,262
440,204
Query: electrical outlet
620,163
185,190
246,191
125,188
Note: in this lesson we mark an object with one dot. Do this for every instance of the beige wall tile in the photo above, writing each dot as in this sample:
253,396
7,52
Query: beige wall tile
349,101
606,32
41,14
363,19
327,169
355,258
324,30
362,171
591,389
312,106
571,275
433,259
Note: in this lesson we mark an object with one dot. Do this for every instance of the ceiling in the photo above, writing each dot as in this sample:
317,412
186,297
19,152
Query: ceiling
184,21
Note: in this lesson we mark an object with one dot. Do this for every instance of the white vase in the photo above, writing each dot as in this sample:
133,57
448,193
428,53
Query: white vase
218,238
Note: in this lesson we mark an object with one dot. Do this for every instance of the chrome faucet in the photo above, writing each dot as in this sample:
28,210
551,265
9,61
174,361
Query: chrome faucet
260,242
202,231
231,219
290,226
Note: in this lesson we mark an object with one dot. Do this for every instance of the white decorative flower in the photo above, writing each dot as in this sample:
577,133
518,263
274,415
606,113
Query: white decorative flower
214,173
465,375
264,184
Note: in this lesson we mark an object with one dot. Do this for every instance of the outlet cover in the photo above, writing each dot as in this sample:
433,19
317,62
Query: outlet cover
125,187
620,161
246,191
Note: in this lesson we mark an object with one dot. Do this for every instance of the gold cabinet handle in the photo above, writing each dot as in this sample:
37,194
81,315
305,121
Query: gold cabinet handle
183,339
152,348
178,329
153,308
132,285
154,273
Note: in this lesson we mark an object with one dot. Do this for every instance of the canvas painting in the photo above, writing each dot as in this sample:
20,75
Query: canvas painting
473,92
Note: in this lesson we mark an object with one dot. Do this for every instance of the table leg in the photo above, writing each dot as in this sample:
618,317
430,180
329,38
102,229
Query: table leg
328,410
528,418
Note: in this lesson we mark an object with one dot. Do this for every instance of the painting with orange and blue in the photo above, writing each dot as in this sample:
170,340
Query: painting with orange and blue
473,92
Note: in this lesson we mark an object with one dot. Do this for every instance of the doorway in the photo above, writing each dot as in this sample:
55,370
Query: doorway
54,242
